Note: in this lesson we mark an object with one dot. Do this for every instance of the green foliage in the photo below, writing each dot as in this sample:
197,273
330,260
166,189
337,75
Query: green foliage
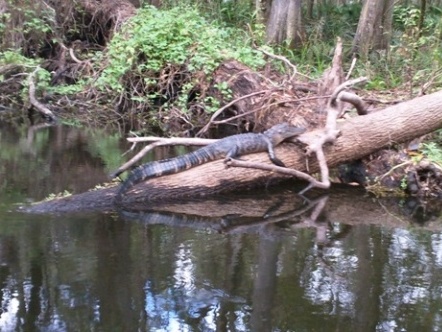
414,57
154,39
223,88
433,151
4,17
71,89
404,183
333,21
35,24
12,57
415,53
72,123
237,13
26,25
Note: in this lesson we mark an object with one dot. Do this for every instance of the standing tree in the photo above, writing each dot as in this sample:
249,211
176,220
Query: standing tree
285,23
374,27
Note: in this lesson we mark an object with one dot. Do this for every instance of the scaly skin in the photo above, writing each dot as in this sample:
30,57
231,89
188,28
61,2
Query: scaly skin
229,147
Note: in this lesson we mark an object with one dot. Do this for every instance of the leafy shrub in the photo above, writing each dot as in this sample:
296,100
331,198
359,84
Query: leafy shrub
154,39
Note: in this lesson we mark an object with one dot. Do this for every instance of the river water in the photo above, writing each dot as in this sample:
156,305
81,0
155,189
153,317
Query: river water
262,261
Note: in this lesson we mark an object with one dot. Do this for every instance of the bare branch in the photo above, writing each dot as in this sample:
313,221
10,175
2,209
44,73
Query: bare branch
355,100
38,106
277,169
345,85
352,66
219,111
157,141
173,140
286,61
330,132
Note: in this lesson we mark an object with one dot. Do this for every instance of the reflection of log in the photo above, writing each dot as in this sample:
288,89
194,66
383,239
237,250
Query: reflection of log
360,137
257,211
278,212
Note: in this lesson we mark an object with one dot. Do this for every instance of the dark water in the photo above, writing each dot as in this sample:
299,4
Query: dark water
334,263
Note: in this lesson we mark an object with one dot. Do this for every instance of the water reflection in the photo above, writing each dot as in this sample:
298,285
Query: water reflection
267,261
102,272
309,269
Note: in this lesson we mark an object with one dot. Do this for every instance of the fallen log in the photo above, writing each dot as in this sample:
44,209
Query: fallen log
360,136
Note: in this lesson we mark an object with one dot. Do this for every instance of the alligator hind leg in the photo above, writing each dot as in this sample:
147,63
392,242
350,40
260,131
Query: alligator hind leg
232,154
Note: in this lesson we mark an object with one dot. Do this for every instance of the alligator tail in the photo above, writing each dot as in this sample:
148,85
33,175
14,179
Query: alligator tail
164,167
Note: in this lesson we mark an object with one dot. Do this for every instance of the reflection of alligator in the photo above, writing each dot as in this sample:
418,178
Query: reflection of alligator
229,147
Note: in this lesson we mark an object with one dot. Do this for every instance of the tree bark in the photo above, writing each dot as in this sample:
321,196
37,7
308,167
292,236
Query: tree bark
360,136
384,26
262,8
363,41
284,22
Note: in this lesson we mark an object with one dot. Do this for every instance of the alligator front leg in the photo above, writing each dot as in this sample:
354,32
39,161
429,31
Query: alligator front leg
272,155
234,154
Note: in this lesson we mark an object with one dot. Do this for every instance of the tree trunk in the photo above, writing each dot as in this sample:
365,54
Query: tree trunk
360,136
285,23
422,17
310,6
262,8
384,26
363,41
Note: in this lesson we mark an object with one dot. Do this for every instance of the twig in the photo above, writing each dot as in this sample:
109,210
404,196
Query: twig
219,111
269,106
355,100
173,140
391,170
352,66
73,57
345,85
430,82
286,61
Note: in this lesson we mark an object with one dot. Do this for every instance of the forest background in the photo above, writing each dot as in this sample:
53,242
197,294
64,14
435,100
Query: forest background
151,65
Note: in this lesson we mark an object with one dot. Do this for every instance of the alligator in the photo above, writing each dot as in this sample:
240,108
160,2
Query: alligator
227,148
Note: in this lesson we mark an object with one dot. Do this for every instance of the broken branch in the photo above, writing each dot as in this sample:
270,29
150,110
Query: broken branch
277,169
34,102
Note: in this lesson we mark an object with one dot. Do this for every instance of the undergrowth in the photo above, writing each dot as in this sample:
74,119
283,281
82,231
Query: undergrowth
162,60
414,58
158,67
155,39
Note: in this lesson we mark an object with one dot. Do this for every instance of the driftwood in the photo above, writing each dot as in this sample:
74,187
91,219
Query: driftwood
360,136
